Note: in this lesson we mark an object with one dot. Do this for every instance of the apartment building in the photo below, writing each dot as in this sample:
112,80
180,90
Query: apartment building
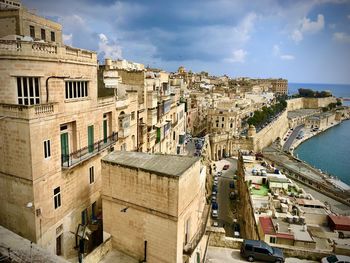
54,131
154,206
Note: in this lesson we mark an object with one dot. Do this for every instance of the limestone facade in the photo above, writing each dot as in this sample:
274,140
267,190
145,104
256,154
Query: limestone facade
154,206
54,131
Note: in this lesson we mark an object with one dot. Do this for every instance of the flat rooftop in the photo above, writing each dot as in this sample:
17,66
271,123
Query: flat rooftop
166,165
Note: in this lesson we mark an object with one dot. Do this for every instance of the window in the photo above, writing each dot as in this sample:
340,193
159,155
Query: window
47,149
53,38
223,118
132,115
92,174
43,34
231,125
222,125
84,217
273,240
76,89
57,197
28,90
32,31
261,250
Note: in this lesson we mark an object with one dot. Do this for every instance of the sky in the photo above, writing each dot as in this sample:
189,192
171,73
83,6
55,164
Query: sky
301,40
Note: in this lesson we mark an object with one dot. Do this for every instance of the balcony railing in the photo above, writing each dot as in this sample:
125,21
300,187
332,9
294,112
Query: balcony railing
191,246
74,158
28,111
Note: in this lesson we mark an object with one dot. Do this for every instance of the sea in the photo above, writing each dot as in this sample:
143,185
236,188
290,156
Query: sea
329,150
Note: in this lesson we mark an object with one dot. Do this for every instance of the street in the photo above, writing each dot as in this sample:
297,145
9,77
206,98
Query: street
292,137
226,207
228,255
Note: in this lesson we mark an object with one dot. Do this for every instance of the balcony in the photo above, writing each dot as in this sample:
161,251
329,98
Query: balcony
122,103
152,99
73,159
152,117
45,50
191,246
124,126
28,112
142,133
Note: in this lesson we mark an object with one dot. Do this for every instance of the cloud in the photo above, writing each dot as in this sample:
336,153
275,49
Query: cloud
287,57
341,37
307,26
276,51
67,39
108,48
237,56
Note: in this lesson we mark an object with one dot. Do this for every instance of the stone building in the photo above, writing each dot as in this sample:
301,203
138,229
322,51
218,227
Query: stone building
154,206
54,131
320,120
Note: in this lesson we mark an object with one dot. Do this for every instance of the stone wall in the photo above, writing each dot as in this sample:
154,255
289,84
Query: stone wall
98,253
245,209
275,129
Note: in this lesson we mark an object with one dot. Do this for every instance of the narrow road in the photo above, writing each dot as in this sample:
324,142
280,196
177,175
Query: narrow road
292,137
225,214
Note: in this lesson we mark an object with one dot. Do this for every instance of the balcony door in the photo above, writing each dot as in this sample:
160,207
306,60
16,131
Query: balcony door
64,147
91,138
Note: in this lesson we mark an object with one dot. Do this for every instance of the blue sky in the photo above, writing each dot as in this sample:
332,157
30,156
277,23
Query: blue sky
301,40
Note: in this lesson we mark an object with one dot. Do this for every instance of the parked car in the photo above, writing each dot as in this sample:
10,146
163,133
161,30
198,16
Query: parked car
226,166
336,259
214,205
213,198
219,174
232,184
259,250
214,213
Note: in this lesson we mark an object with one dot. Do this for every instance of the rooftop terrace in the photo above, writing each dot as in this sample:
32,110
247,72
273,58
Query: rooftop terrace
166,165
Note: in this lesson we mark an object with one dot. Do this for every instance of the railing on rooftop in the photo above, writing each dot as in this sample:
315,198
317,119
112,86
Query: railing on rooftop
45,50
191,246
74,158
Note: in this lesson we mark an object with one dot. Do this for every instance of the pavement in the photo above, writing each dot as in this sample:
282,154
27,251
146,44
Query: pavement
228,255
117,256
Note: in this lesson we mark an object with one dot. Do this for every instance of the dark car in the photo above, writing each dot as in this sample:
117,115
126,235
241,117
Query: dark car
259,250
226,166
214,206
232,184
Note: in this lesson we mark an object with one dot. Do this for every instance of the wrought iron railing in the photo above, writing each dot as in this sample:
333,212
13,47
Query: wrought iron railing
74,158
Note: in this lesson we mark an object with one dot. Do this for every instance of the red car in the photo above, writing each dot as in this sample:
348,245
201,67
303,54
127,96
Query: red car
226,166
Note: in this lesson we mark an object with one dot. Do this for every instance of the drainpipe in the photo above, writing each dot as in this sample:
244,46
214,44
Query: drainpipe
47,84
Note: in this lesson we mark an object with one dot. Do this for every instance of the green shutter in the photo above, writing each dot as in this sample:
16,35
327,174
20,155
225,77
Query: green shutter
91,138
158,135
64,147
105,131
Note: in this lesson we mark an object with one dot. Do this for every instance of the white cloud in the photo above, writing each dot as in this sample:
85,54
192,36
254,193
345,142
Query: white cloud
68,39
312,26
276,51
287,57
297,36
341,37
237,56
108,48
307,26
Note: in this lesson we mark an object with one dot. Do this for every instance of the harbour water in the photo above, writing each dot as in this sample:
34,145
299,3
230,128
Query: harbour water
329,150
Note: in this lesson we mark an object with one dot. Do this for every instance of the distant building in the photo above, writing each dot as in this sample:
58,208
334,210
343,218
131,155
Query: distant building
154,206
